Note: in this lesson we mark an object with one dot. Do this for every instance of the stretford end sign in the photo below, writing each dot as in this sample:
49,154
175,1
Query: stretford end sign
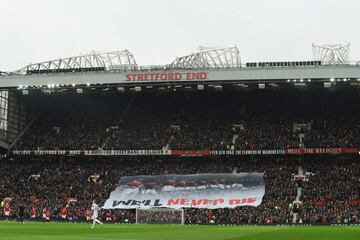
166,76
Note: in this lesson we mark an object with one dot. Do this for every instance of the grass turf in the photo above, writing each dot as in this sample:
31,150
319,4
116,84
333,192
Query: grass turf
50,231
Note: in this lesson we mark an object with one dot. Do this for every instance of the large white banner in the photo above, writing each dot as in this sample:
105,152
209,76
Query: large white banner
211,190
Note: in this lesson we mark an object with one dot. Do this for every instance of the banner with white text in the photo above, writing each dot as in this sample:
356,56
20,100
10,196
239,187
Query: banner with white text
188,153
209,190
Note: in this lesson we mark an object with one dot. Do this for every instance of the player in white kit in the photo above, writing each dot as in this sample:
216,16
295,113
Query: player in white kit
95,213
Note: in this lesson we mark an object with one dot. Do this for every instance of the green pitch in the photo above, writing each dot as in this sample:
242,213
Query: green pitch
50,231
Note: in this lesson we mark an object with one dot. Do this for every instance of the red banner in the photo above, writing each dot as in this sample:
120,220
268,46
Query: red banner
324,202
321,151
190,152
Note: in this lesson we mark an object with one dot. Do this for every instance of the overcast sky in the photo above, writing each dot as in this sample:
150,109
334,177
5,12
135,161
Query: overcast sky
156,31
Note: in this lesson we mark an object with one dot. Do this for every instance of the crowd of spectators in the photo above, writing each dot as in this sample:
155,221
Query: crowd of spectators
332,192
192,121
65,182
197,121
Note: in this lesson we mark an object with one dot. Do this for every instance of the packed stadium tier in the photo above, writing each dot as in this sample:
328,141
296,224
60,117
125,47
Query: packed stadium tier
196,120
320,190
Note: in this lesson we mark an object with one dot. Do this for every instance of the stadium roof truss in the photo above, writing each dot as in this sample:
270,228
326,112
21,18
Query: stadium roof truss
332,53
209,58
105,60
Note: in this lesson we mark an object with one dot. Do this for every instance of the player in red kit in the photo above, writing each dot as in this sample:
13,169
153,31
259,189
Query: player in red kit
44,211
32,213
88,215
47,215
7,210
64,214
